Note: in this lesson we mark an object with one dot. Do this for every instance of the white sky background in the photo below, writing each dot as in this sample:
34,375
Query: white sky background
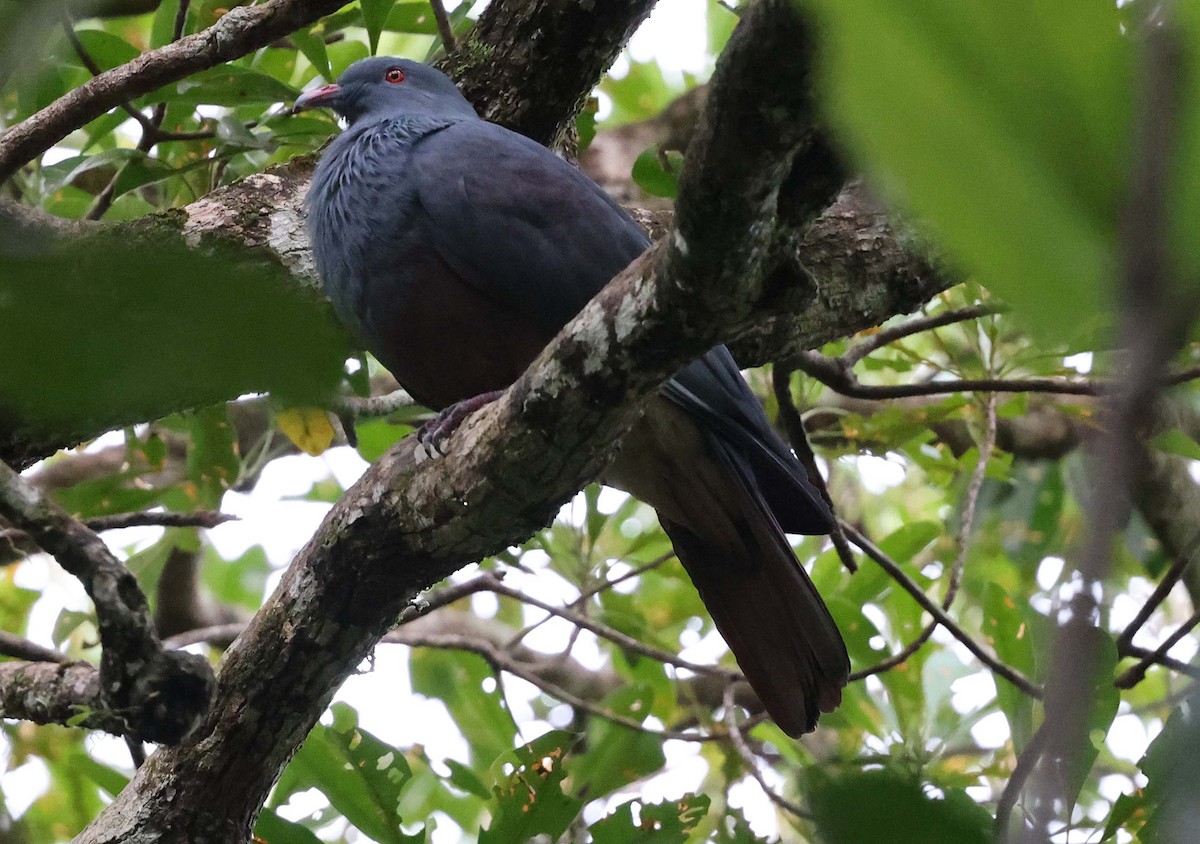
675,35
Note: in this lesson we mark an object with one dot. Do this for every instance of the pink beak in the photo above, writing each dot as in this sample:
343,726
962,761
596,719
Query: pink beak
325,96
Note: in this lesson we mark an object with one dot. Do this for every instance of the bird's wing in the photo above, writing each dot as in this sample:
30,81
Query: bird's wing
711,388
529,230
518,223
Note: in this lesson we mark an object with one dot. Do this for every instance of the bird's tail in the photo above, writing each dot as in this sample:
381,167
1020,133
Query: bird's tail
729,541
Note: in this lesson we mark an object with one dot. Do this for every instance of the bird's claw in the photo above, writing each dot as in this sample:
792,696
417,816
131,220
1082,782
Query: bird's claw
433,435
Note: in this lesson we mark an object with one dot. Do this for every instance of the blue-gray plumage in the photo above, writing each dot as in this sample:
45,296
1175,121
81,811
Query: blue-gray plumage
455,249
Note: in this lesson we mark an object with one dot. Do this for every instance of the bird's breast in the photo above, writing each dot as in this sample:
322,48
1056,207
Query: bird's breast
442,338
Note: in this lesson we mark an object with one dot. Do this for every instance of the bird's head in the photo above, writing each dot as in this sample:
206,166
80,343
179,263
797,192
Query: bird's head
382,87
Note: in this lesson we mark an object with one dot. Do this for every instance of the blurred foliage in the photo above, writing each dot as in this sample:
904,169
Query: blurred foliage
1003,128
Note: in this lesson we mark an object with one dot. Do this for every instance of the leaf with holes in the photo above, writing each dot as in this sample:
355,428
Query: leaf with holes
529,798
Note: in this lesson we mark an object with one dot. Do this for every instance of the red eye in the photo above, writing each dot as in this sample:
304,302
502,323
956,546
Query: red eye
394,75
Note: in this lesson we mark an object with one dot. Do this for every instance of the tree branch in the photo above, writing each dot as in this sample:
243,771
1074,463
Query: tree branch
18,648
52,693
1012,675
159,696
554,51
238,32
974,486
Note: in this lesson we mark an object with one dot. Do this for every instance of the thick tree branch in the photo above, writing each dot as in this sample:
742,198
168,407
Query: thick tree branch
554,51
241,30
159,696
53,693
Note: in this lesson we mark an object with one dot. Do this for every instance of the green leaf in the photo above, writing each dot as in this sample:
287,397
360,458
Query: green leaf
225,85
901,545
1183,183
585,123
272,829
104,48
720,20
105,495
1177,442
641,93
312,44
361,775
657,173
237,582
412,18
1169,766
529,801
1006,630
617,756
458,680
1127,807
110,780
67,623
375,14
213,463
163,25
1026,104
658,823
109,329
908,541
466,779
884,807
375,436
342,54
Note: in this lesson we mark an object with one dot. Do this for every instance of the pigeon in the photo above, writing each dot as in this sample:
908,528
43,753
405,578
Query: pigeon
454,250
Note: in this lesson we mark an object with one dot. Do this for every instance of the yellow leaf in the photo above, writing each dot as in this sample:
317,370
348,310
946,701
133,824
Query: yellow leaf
308,427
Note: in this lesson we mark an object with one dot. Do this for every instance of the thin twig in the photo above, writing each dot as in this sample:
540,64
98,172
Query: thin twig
18,648
743,750
1136,673
376,405
1165,661
144,120
1160,593
596,590
500,661
217,633
1026,763
793,424
830,372
887,336
616,637
1012,675
964,540
200,519
448,595
445,30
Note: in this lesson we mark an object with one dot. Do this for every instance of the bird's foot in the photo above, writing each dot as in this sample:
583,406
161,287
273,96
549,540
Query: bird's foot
434,433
